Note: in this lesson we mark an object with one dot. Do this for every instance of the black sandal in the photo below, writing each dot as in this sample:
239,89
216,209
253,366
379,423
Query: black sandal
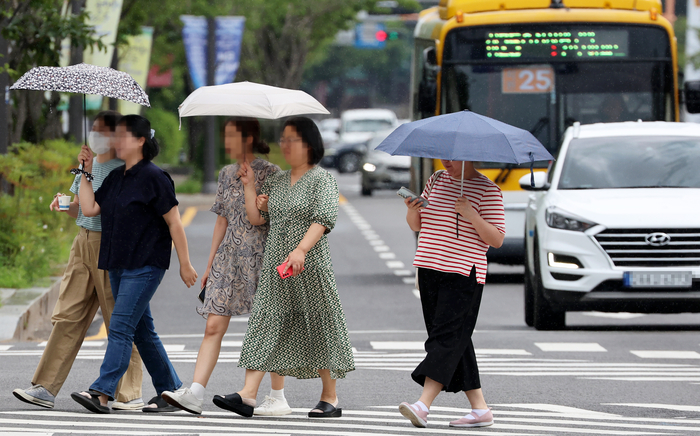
92,404
234,403
161,406
327,410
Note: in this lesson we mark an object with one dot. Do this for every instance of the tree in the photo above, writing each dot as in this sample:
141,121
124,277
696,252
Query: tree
34,31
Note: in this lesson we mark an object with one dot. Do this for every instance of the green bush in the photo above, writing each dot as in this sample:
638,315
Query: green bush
34,239
170,139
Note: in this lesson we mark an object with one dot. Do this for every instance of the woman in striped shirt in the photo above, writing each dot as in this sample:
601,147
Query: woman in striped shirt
464,218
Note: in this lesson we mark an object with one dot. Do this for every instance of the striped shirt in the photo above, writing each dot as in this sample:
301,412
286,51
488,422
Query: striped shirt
99,172
439,247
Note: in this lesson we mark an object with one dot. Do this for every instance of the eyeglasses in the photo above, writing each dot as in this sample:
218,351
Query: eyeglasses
289,141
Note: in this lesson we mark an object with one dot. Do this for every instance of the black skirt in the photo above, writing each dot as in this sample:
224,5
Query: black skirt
450,308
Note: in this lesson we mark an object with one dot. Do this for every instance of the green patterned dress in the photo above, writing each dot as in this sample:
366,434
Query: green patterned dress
297,325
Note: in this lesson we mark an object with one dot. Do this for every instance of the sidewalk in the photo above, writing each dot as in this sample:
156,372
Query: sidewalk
25,314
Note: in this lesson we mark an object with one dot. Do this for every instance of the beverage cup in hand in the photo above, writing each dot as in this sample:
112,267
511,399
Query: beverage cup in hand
64,202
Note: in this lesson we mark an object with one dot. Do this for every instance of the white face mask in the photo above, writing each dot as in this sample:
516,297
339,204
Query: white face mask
99,143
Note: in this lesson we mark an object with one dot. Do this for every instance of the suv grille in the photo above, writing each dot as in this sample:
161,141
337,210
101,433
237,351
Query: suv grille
638,248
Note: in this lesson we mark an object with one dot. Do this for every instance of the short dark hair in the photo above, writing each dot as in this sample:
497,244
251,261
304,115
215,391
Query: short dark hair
109,119
307,129
249,127
140,127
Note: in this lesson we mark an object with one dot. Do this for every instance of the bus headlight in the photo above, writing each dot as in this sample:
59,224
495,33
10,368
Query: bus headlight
369,167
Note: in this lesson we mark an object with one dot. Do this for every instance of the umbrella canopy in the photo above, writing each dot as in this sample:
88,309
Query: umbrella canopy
248,99
84,79
465,136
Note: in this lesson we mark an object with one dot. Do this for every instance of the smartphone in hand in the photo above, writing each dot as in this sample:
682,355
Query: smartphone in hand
407,193
282,273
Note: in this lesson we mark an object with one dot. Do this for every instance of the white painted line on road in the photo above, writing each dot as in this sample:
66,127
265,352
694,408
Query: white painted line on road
376,242
5,347
403,272
379,248
369,232
409,280
619,315
397,345
93,344
173,347
239,319
502,351
416,292
387,255
371,236
42,344
559,409
649,354
231,343
676,407
586,347
393,264
363,226
649,379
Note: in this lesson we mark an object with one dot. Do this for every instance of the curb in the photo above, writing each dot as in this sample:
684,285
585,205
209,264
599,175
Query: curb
25,314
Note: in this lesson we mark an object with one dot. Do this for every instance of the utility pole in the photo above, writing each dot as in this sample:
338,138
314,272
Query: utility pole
76,111
209,183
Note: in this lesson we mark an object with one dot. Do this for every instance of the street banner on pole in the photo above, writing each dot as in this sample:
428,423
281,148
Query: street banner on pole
136,61
229,34
104,18
194,36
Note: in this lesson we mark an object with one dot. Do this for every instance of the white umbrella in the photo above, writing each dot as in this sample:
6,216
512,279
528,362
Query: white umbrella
248,99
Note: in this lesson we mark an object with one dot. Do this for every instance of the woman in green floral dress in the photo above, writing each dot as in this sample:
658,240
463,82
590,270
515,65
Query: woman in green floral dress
297,326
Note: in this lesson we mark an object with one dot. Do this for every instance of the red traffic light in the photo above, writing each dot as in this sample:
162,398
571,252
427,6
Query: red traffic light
381,35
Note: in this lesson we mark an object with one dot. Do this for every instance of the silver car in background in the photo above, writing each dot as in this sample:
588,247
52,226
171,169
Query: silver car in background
381,170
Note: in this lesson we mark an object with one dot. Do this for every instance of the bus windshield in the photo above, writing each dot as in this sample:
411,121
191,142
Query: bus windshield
544,92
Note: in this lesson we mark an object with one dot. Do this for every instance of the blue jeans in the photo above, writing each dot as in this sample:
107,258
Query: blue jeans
132,323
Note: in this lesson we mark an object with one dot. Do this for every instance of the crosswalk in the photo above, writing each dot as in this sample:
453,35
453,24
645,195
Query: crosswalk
539,360
510,419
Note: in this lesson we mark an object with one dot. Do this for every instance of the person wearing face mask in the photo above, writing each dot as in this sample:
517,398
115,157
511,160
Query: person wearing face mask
83,289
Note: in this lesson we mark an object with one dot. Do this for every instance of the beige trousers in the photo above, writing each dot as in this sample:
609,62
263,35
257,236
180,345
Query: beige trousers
84,287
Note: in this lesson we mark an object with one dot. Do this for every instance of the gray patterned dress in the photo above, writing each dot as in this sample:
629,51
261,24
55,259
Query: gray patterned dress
236,266
297,325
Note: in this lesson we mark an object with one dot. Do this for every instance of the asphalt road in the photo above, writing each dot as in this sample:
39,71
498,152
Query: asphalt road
624,374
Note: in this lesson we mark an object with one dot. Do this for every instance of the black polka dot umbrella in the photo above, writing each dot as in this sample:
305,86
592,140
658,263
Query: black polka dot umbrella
84,79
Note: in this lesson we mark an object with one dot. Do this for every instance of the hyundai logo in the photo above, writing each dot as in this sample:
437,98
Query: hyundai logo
657,239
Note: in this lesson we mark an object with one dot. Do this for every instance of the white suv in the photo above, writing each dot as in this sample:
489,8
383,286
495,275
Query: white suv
615,224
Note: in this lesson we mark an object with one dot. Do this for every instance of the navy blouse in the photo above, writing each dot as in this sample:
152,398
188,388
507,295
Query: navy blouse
132,203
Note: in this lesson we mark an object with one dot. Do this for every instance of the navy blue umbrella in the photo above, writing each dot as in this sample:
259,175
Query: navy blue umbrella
465,136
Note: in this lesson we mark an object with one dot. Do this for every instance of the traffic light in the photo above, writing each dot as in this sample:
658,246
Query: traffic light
393,35
383,35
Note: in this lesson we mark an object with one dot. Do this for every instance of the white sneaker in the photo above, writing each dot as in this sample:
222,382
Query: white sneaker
136,404
272,407
184,399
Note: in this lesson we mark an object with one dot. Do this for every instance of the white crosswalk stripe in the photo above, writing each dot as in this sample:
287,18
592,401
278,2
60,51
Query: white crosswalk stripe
406,355
511,419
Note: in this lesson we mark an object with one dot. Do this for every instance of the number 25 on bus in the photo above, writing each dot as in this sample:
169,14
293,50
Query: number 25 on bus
542,65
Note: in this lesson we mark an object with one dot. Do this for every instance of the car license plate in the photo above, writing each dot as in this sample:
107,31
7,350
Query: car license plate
657,279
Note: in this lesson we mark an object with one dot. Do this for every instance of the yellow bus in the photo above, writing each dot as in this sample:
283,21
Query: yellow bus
541,65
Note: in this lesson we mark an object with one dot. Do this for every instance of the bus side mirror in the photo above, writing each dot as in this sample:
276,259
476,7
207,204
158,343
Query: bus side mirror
427,88
692,96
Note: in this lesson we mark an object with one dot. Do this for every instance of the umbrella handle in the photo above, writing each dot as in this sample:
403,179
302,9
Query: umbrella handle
532,172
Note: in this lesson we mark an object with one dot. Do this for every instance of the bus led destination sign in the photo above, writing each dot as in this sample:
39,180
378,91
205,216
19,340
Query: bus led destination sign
584,44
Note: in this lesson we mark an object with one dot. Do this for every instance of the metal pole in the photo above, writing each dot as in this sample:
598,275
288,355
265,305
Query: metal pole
4,109
209,182
76,111
4,104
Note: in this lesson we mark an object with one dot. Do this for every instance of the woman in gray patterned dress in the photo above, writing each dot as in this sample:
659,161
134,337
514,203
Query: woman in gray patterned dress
297,326
234,265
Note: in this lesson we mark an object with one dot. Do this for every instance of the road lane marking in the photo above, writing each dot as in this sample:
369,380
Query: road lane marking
674,407
650,354
586,347
5,347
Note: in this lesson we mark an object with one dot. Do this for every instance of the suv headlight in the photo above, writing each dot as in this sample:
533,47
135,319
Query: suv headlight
558,219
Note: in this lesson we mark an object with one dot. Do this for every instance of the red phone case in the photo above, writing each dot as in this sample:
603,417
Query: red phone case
284,275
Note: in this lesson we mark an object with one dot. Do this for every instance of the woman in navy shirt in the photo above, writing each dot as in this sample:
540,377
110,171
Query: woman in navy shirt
140,221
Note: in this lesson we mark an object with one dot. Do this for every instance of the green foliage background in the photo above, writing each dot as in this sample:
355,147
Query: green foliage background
33,238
